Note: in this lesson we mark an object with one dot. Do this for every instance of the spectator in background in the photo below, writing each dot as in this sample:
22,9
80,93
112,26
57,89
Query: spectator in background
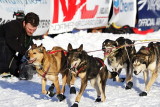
15,39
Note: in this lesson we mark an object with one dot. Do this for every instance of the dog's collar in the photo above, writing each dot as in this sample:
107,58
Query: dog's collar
44,72
81,69
40,67
76,71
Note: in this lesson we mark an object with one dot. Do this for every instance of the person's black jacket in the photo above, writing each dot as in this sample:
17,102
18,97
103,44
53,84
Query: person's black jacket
13,38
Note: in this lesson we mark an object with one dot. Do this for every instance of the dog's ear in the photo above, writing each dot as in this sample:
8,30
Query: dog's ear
134,58
33,46
116,43
69,47
41,48
41,45
80,48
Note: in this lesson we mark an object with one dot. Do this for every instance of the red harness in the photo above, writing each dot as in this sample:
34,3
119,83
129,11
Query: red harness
80,69
52,52
101,61
45,72
84,66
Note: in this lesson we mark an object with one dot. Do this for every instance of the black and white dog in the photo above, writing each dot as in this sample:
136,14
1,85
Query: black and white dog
147,60
119,54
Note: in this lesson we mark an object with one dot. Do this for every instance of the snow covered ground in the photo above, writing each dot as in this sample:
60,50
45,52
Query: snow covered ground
21,93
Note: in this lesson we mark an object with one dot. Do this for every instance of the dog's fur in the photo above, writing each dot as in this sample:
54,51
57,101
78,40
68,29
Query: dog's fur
88,68
49,65
119,54
147,61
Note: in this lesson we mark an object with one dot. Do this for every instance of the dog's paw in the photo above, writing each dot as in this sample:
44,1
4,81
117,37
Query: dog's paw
143,94
75,105
50,93
72,90
122,79
51,88
114,79
98,100
61,97
129,85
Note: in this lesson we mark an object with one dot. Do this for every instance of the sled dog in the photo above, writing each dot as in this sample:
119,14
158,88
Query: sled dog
119,54
48,65
147,60
88,68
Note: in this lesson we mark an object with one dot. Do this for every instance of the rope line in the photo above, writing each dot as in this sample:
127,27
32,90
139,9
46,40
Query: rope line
142,42
128,45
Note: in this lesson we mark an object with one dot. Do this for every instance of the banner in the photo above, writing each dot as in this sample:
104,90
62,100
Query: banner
40,7
149,14
80,14
124,12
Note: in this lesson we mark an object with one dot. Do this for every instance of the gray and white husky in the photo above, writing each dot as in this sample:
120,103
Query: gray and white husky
146,60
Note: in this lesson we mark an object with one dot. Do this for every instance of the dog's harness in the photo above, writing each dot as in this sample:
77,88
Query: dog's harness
84,66
41,68
107,54
44,72
73,69
101,61
52,52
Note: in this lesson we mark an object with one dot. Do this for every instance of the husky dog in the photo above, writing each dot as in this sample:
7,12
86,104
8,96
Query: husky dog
49,64
119,54
88,68
146,60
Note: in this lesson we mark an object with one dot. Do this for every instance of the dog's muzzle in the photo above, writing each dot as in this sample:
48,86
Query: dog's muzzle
31,61
73,70
103,48
107,51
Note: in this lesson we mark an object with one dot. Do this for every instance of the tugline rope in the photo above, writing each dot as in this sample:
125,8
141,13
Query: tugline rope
151,40
155,40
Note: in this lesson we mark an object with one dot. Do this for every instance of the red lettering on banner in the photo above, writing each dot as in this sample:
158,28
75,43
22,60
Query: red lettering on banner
68,14
88,13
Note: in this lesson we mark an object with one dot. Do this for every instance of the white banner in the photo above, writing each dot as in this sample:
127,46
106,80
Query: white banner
40,7
64,15
80,14
124,12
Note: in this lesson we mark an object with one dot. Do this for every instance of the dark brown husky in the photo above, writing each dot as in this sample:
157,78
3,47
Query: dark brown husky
88,68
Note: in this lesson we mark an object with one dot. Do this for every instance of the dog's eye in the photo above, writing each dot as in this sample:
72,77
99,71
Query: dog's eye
34,53
142,61
80,56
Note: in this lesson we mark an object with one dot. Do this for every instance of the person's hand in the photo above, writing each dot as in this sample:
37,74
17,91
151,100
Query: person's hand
23,58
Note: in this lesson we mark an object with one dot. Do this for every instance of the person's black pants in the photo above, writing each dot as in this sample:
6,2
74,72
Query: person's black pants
8,61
